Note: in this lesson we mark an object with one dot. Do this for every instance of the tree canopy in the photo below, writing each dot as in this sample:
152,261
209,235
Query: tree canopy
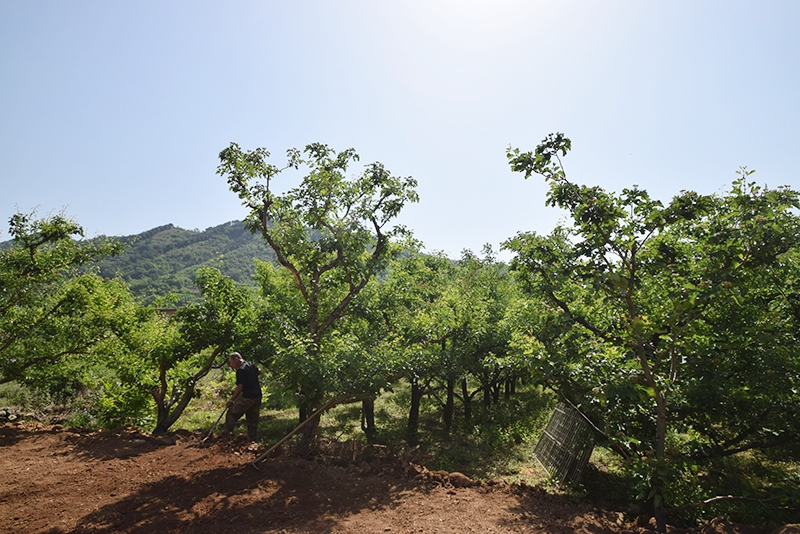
331,234
50,315
666,320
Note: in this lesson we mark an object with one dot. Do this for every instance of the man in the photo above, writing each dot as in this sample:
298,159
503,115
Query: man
246,398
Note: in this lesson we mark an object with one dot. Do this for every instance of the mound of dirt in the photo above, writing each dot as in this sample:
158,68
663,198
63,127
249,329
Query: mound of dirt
55,481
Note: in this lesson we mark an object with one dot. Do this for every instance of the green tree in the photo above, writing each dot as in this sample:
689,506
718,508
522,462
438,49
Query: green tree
50,314
369,350
164,357
485,287
450,316
331,234
640,291
414,289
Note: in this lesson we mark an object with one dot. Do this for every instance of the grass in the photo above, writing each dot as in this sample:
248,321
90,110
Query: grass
13,394
57,406
754,475
605,483
497,443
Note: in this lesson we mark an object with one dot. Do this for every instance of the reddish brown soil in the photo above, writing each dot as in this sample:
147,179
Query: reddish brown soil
53,480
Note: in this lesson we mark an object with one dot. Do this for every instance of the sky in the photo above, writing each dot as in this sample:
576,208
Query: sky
115,112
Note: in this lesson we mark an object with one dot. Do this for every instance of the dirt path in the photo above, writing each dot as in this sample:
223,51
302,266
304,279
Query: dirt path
54,480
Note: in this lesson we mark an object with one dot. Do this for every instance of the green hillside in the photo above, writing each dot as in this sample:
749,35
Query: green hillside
165,259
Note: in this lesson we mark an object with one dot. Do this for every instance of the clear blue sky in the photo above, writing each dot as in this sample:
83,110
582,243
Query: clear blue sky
117,111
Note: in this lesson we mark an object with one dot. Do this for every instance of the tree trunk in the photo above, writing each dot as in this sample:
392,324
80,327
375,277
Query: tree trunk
661,441
487,391
307,408
660,513
309,435
449,406
368,420
467,400
162,420
165,419
413,413
302,413
508,388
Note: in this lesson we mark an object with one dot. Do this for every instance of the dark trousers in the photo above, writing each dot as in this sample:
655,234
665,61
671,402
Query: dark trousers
250,408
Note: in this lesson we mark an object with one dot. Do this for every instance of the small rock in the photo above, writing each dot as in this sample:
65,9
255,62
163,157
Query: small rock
718,525
460,480
643,521
166,440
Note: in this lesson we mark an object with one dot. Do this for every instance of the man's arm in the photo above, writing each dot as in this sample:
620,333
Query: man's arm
236,393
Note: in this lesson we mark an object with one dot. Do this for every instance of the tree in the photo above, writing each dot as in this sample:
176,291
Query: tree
413,289
165,357
640,290
51,313
331,234
369,351
449,315
486,288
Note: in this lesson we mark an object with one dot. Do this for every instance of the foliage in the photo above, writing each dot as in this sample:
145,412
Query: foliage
487,293
332,235
163,358
164,260
52,317
450,320
666,319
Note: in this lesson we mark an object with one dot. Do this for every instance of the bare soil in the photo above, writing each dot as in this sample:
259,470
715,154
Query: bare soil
55,480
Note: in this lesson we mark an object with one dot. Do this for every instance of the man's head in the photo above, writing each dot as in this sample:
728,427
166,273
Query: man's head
235,360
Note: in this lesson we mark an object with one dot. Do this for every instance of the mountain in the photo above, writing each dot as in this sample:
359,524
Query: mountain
165,259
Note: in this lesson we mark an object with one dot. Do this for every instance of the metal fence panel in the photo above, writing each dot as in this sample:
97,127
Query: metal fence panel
565,445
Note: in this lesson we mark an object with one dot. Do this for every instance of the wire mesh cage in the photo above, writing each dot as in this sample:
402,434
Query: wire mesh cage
565,445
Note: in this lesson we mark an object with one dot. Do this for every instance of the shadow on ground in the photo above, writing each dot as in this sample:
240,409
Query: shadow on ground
285,492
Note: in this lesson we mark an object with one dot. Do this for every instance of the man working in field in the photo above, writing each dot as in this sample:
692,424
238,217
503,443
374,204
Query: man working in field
246,398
